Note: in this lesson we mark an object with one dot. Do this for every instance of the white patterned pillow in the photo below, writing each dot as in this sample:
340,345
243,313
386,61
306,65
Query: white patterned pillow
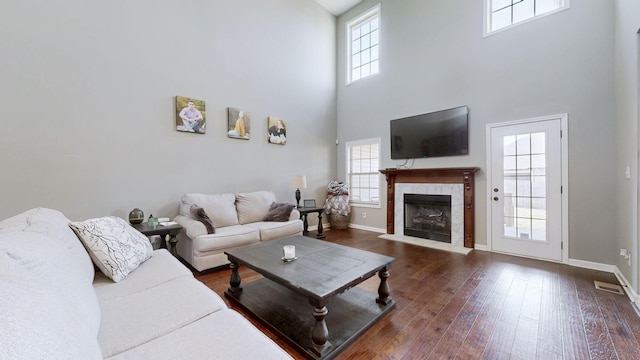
115,247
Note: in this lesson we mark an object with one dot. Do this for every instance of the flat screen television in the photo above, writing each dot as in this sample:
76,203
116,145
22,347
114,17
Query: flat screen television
440,133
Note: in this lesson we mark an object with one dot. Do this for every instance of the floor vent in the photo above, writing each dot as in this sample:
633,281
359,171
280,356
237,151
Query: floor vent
612,288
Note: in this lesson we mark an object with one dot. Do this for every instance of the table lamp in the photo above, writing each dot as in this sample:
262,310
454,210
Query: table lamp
297,182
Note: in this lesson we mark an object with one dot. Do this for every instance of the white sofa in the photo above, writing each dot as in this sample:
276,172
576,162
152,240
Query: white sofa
238,220
53,305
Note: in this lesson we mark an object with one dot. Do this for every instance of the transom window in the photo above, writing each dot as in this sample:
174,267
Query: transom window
363,34
363,163
502,14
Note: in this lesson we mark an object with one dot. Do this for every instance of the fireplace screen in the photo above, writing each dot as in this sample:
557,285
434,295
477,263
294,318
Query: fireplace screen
428,216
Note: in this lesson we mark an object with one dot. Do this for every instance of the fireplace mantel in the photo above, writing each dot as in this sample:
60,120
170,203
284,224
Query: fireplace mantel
461,175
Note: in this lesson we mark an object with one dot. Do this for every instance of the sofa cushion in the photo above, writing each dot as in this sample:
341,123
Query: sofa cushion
44,258
162,267
157,311
115,247
199,214
53,224
224,334
37,320
278,212
227,237
275,230
253,206
220,208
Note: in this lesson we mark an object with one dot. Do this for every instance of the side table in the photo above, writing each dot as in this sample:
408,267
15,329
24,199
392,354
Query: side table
163,231
304,211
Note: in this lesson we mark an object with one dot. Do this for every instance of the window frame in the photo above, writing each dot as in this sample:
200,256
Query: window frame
348,146
375,11
488,11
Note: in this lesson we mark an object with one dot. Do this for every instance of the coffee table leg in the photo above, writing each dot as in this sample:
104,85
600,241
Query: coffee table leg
383,289
320,333
235,278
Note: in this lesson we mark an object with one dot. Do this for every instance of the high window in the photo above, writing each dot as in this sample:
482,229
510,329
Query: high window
363,163
502,14
363,42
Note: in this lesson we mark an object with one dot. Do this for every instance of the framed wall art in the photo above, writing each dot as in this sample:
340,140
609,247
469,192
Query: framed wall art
239,124
190,115
277,133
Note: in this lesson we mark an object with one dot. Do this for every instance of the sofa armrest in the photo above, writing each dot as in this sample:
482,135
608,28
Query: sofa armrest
295,215
192,227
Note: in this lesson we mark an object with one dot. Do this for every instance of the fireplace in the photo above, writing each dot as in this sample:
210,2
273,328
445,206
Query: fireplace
457,182
428,216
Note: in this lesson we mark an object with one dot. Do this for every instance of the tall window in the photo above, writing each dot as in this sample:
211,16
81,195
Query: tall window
363,35
363,163
502,14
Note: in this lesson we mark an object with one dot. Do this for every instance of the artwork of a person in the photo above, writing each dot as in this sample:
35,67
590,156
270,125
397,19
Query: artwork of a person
239,128
192,119
277,133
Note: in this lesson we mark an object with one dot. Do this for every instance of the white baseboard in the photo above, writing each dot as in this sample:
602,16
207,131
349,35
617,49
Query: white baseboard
631,293
368,228
481,247
592,265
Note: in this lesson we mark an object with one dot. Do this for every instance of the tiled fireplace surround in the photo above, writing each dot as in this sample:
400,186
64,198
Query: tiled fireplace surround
457,182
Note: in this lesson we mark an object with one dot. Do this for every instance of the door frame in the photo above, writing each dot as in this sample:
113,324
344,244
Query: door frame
564,161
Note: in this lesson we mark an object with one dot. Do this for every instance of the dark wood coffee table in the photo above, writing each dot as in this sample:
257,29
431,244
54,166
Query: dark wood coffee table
312,301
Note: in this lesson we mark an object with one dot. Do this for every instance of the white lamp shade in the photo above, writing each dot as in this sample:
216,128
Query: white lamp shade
299,182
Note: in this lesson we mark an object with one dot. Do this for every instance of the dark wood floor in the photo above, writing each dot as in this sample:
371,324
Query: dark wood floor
482,306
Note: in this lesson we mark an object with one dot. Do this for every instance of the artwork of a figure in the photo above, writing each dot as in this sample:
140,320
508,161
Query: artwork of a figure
277,133
239,124
190,115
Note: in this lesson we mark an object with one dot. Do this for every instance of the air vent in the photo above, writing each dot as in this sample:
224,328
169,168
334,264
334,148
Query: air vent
612,288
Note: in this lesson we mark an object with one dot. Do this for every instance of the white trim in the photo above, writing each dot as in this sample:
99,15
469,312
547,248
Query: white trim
480,247
368,228
564,143
377,11
487,15
628,289
592,265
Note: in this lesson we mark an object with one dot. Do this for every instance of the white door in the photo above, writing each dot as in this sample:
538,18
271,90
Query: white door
526,188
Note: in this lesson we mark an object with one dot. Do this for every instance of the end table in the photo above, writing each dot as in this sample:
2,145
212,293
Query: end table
304,211
163,231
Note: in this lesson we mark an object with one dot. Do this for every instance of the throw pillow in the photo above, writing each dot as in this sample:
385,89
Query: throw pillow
199,214
279,212
114,246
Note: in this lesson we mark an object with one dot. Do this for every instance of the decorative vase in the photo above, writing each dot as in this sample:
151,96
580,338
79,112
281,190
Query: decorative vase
136,216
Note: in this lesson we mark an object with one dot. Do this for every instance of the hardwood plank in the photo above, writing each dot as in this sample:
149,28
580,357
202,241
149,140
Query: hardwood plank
481,306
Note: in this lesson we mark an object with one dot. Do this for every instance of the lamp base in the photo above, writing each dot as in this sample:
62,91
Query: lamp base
297,198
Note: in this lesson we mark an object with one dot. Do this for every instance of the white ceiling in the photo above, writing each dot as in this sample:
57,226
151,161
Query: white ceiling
338,7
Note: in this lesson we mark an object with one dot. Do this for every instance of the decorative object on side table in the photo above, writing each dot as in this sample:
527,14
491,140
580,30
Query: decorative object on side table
136,216
297,182
152,222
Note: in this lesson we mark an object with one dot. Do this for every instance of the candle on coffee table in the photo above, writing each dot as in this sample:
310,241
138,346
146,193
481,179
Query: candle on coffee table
289,252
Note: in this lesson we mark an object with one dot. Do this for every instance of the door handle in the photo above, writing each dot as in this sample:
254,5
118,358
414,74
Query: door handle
495,198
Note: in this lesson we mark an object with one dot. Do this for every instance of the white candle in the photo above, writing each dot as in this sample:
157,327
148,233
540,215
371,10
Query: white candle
289,252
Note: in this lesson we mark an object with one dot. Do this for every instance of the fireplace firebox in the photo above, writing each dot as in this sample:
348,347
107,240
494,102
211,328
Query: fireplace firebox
428,216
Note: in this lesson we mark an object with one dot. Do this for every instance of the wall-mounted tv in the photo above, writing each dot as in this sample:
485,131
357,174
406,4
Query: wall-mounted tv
440,133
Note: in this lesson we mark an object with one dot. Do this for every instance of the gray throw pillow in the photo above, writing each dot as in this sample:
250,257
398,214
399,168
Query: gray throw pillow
199,214
279,212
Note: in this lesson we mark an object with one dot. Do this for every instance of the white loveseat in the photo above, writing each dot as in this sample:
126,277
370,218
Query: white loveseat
53,305
238,220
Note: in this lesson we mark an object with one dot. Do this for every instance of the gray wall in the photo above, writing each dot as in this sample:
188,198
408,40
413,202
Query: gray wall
87,93
434,56
626,95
